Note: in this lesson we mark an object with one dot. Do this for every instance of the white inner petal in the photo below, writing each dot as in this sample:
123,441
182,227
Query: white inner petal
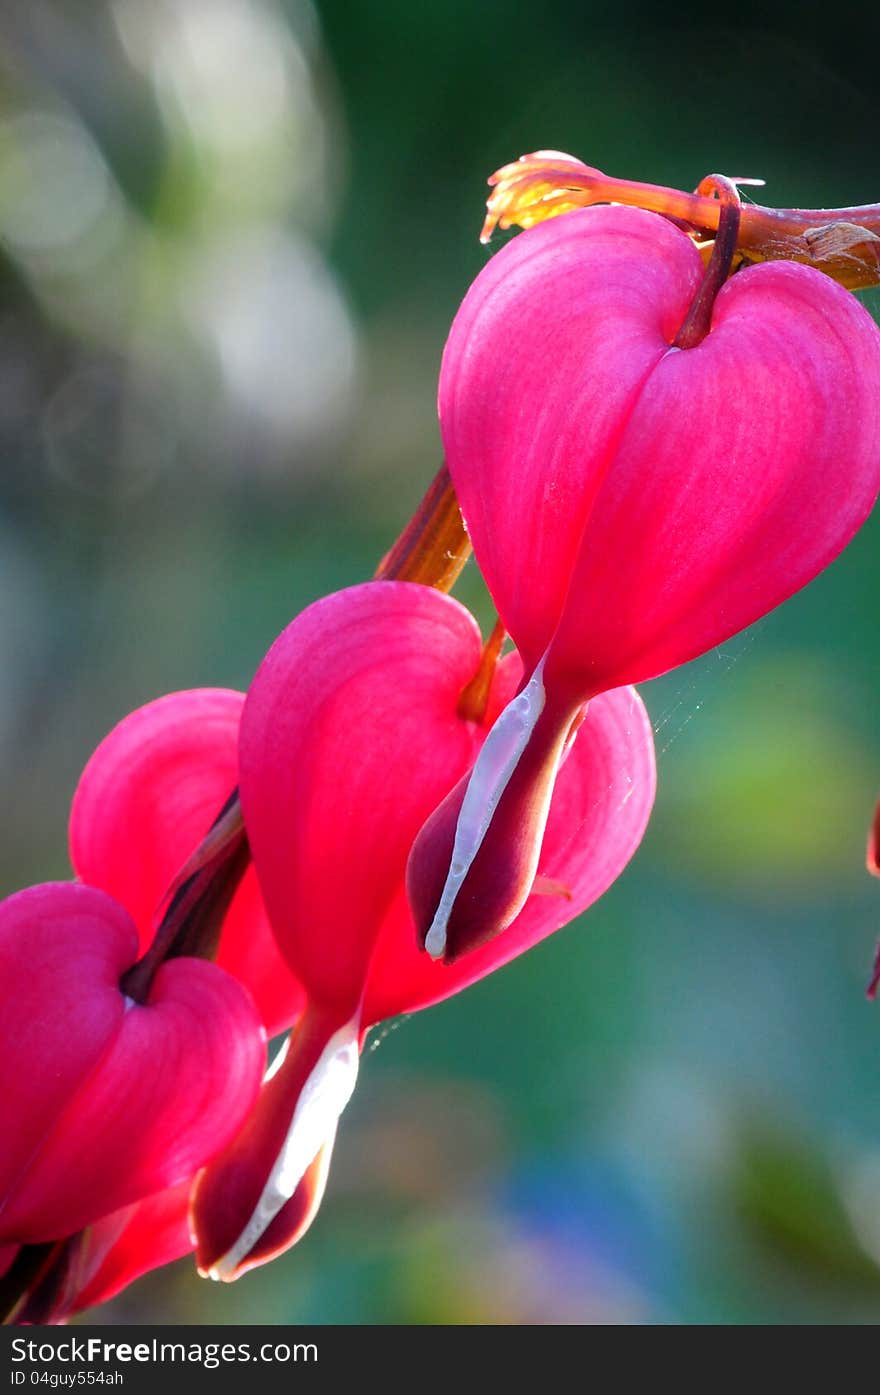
322,1099
492,770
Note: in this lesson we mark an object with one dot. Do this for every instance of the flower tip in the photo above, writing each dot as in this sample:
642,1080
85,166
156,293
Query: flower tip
435,940
427,879
872,856
285,1230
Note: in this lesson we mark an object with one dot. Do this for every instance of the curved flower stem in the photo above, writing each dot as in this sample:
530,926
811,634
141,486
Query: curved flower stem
843,242
699,317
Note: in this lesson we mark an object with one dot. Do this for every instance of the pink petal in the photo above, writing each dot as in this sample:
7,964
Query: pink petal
747,464
63,949
145,800
121,1247
543,364
350,737
107,1102
598,814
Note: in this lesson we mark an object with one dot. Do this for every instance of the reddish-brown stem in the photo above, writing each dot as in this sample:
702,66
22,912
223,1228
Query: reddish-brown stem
199,900
760,225
699,318
434,546
475,696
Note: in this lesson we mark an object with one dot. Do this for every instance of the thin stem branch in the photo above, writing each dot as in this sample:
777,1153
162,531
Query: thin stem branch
199,900
699,317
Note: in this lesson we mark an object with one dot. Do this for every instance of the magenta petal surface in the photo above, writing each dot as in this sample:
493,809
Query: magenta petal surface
599,811
350,737
63,950
544,363
104,1101
639,502
121,1247
146,799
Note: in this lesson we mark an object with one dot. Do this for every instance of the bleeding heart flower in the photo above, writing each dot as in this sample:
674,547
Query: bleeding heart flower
102,1100
352,734
631,503
146,799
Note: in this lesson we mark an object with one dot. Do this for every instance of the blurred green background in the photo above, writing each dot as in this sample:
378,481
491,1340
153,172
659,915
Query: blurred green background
233,234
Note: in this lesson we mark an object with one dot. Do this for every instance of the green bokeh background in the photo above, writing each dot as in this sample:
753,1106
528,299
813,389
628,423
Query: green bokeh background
233,234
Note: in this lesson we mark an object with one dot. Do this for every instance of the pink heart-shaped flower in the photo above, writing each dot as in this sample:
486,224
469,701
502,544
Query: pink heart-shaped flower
632,504
353,732
102,1100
